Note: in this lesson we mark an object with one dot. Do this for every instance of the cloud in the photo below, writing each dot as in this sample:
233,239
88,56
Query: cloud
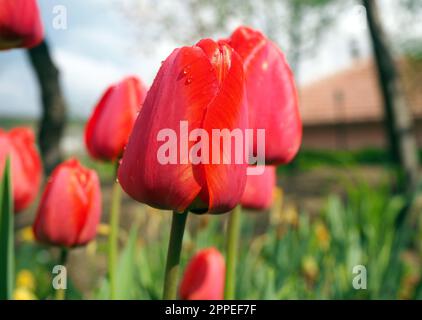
84,79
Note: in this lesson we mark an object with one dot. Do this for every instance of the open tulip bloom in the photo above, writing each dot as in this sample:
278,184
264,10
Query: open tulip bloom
70,207
110,125
19,144
271,94
167,163
20,24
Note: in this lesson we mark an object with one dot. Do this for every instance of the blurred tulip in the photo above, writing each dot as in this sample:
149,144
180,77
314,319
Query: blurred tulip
20,24
19,144
271,94
204,86
204,276
70,208
259,190
109,127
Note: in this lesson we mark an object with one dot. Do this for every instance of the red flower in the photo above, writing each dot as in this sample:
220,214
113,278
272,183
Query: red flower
203,87
20,24
271,94
109,127
19,144
259,190
70,208
204,276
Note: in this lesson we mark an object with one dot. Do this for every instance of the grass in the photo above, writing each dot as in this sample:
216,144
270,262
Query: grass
284,254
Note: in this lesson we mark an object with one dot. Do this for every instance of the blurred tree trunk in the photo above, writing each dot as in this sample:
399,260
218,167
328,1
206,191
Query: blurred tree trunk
398,117
53,117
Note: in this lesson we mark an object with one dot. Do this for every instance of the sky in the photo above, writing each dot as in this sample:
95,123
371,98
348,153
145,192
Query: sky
101,45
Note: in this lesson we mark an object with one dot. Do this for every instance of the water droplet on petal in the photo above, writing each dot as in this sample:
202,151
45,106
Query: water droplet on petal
188,81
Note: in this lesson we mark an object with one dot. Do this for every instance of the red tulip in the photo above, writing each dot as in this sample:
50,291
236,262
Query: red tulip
109,127
259,190
204,276
20,24
70,208
198,88
19,144
271,94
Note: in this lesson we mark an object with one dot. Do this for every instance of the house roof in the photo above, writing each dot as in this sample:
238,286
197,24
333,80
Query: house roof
353,95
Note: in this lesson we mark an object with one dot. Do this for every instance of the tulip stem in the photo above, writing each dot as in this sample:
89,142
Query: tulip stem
64,252
232,247
113,239
173,255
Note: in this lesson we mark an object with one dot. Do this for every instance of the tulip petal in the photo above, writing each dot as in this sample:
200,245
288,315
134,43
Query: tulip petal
109,127
19,144
204,276
271,92
70,208
259,190
20,24
88,230
180,92
203,87
61,210
225,182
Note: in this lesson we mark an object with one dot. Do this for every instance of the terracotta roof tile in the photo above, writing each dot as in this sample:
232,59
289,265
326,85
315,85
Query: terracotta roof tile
352,95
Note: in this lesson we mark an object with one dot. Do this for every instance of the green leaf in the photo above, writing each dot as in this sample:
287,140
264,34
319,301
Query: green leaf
6,235
126,284
126,271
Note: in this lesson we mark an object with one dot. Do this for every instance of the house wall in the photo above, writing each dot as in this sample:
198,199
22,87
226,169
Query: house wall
350,136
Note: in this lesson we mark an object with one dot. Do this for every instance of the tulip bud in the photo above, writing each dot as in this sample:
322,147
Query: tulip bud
204,276
70,208
271,94
19,144
111,123
197,89
259,190
20,24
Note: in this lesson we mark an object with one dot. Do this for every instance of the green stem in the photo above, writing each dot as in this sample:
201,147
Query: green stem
64,252
173,255
232,247
113,239
7,251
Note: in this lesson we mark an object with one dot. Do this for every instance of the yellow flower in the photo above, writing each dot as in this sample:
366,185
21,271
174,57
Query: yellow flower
25,280
310,268
291,216
103,229
276,208
26,235
322,235
23,294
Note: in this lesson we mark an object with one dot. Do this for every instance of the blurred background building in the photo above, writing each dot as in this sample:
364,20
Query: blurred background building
344,110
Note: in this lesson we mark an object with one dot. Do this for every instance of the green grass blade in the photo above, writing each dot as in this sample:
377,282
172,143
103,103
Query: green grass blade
6,235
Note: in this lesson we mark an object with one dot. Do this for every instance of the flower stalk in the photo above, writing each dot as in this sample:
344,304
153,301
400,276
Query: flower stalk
232,246
113,244
64,252
173,255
